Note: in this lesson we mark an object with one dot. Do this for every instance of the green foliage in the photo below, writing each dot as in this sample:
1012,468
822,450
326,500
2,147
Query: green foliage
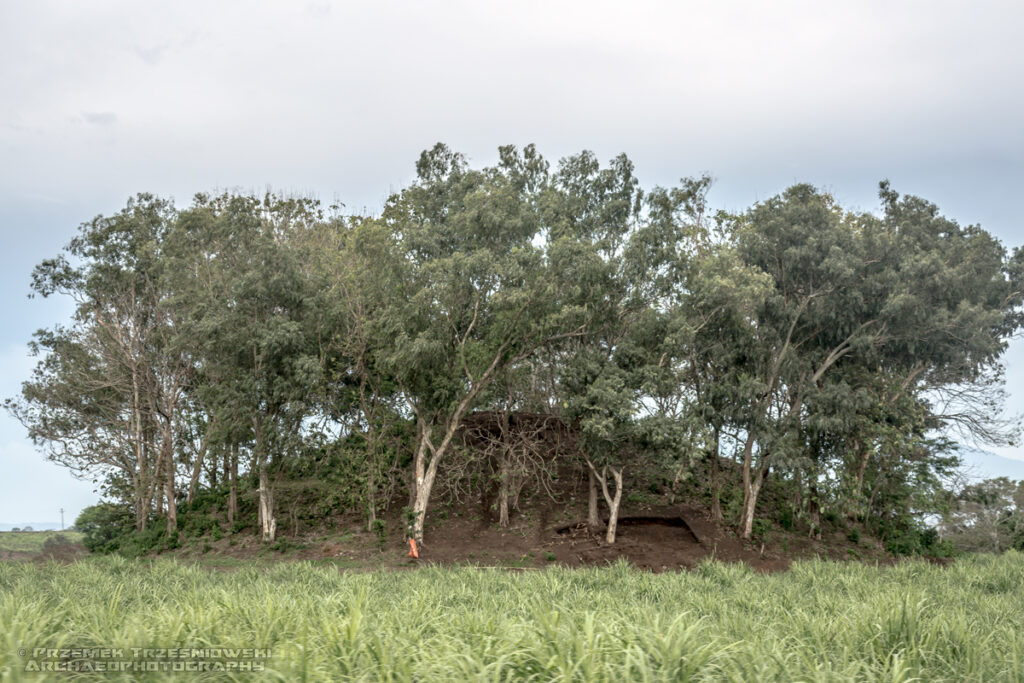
285,544
761,527
380,530
319,359
103,526
923,542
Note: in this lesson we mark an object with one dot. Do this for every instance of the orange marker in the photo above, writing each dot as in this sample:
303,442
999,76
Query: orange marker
412,549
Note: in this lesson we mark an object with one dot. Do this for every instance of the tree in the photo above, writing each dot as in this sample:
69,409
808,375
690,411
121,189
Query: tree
357,268
103,399
989,516
242,296
912,295
476,296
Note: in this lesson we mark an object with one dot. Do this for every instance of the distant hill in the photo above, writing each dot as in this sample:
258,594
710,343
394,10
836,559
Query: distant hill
36,526
980,465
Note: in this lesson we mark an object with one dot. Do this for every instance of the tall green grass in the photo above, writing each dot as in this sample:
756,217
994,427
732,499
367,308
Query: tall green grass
818,622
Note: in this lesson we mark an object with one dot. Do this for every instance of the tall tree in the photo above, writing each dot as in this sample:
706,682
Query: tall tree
476,296
104,398
242,296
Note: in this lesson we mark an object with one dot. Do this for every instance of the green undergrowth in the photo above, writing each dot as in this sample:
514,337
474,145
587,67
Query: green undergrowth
820,621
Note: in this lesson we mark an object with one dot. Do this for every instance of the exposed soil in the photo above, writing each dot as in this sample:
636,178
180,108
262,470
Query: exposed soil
655,538
660,529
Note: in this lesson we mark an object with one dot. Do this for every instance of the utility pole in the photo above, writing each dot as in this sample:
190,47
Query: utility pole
62,519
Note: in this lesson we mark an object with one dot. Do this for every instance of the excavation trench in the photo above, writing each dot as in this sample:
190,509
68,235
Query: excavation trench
678,524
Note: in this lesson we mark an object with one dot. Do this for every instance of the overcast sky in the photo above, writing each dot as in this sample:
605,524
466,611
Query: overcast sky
101,100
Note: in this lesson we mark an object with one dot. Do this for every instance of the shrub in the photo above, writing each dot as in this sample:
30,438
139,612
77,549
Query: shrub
761,527
104,526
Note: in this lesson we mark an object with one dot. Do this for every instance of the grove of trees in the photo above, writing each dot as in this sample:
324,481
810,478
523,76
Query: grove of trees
253,349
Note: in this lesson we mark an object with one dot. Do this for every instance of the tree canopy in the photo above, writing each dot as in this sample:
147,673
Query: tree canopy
252,343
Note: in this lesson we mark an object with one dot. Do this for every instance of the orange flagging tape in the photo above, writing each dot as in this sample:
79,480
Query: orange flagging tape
412,549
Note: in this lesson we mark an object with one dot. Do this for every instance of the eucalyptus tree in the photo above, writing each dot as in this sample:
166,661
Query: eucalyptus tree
911,295
590,213
476,293
356,269
105,398
825,304
242,296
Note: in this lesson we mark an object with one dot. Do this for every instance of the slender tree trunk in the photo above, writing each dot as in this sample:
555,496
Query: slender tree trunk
593,518
613,504
141,509
813,504
716,484
752,482
425,474
504,475
369,410
503,490
172,504
750,503
613,501
170,492
197,469
857,505
268,523
371,495
232,456
158,485
748,457
143,502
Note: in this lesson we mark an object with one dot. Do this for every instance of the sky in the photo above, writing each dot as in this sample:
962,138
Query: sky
101,100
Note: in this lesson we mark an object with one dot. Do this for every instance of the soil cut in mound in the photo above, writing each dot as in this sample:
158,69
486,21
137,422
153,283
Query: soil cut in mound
648,542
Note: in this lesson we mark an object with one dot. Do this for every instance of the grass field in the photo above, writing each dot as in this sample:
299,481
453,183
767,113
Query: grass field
818,622
32,541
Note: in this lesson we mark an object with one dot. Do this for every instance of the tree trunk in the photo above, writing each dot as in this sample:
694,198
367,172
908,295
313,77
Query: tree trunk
813,505
167,453
371,495
167,446
613,505
197,469
613,501
748,457
172,504
143,502
716,484
503,490
423,483
750,502
857,505
268,523
232,456
426,473
141,511
158,485
504,480
593,519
